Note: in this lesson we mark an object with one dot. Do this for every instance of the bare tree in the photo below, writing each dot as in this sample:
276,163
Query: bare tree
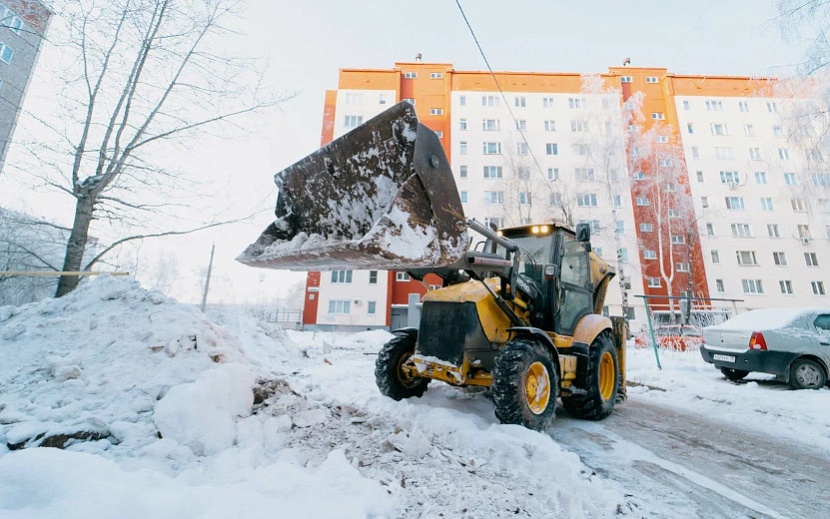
661,192
808,20
143,77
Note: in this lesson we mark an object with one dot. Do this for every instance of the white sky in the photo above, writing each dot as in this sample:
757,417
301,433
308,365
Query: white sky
308,42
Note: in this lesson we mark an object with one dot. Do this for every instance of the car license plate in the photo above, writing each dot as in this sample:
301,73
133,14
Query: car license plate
724,358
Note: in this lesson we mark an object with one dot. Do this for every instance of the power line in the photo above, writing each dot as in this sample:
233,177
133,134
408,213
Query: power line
504,98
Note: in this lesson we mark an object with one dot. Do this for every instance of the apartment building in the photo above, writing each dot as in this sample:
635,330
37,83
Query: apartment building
22,26
692,185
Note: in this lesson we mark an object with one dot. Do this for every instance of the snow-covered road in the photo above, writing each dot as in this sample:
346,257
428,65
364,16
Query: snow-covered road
678,464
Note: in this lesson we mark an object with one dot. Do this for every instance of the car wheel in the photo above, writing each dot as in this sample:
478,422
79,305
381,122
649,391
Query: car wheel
734,374
807,374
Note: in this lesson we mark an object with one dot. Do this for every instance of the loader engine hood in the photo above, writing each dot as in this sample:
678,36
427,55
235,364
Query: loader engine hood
380,197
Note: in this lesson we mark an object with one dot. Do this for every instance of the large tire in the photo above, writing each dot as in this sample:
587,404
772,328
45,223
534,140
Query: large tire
734,374
525,384
807,374
391,380
602,382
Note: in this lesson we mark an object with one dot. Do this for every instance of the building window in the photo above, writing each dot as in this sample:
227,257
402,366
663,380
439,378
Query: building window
773,231
523,172
715,256
341,276
681,267
657,116
584,174
649,254
491,148
410,100
760,177
6,53
654,282
695,152
755,153
586,200
553,174
436,75
678,239
749,130
710,229
699,175
704,202
551,148
617,200
522,149
576,102
490,221
462,171
550,126
724,153
798,205
463,147
746,257
741,230
729,177
339,306
772,107
401,276
783,154
752,286
439,134
779,258
719,286
489,101
494,197
462,125
719,129
818,287
811,259
519,101
766,204
651,79
638,175
410,75
382,99
642,201
521,125
786,286
714,106
579,126
666,163
436,111
735,203
686,106
580,150
490,125
743,106
493,172
619,227
626,79
690,128
373,277
354,99
556,199
462,100
547,102
646,227
371,308
353,121
463,197
524,198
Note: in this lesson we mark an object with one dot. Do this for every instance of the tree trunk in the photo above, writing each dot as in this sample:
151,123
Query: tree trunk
76,245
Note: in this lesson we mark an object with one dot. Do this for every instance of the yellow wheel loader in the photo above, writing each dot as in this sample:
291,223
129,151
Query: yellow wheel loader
518,314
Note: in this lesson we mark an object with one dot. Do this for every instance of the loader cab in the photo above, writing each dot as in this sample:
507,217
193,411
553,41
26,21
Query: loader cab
557,260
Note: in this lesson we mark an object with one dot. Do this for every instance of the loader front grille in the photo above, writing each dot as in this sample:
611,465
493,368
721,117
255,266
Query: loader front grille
449,329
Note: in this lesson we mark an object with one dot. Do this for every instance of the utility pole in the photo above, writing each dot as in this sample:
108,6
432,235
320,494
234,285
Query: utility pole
207,279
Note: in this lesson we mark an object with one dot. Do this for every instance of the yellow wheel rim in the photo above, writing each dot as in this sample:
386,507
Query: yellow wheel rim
607,375
537,387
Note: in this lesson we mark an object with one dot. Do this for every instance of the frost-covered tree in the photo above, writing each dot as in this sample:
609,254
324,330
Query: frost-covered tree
139,80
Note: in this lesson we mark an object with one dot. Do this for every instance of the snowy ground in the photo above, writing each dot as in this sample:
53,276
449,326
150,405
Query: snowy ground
154,405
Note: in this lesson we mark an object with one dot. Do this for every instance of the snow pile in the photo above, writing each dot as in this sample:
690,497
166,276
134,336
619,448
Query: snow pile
161,412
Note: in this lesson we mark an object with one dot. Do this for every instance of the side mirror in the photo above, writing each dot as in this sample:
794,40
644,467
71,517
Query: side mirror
583,232
550,272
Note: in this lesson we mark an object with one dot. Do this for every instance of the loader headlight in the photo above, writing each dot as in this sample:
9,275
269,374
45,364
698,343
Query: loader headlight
535,229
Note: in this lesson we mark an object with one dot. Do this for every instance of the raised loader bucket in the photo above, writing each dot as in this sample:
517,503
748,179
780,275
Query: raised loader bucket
380,197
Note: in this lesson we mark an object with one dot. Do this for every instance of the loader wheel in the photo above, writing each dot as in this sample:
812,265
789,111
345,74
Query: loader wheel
602,382
391,380
525,385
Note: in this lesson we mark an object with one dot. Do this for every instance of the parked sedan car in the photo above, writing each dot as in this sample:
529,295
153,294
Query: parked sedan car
792,343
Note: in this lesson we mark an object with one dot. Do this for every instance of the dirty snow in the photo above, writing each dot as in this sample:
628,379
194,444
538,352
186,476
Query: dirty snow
164,397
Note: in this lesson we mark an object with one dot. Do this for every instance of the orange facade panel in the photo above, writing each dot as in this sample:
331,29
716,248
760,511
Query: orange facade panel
329,112
721,86
365,79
